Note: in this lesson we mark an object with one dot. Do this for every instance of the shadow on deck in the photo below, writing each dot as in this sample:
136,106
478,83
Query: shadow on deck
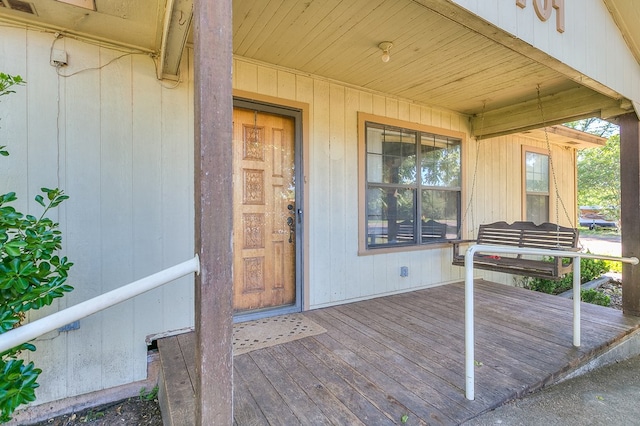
385,358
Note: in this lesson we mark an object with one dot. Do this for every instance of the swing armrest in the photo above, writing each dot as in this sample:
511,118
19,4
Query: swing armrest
456,246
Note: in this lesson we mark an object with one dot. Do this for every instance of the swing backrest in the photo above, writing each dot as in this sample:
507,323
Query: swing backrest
528,234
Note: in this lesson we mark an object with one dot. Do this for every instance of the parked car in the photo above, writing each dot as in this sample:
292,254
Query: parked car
593,221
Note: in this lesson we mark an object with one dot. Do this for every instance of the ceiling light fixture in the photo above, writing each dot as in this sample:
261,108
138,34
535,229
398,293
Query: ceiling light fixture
385,46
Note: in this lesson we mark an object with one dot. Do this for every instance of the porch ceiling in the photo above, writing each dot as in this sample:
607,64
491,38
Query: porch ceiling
442,55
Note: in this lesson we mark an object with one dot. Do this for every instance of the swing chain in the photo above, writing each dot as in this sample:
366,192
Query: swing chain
473,180
559,200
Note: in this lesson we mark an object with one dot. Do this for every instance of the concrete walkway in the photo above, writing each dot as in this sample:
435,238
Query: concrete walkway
607,396
602,244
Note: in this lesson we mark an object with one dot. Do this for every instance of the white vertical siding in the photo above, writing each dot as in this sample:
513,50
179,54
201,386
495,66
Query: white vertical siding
120,143
116,200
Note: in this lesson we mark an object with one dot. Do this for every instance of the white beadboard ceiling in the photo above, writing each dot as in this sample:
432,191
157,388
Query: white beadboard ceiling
441,55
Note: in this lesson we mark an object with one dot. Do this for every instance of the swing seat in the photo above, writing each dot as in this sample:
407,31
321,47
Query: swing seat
527,235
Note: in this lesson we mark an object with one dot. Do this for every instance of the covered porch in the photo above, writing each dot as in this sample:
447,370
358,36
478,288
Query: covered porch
403,355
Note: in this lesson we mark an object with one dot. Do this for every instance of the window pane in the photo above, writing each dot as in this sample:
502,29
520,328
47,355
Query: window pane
374,168
537,208
390,216
537,171
374,139
413,186
440,215
391,155
440,165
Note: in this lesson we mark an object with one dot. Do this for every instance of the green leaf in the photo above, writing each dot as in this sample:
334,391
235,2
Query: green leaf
40,200
8,197
12,251
29,347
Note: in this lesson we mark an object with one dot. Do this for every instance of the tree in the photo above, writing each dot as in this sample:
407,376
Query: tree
599,168
599,177
595,126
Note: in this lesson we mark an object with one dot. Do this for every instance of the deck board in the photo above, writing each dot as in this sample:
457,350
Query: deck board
346,392
408,379
400,355
292,393
246,409
332,408
273,406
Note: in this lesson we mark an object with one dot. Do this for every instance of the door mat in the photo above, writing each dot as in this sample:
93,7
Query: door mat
266,332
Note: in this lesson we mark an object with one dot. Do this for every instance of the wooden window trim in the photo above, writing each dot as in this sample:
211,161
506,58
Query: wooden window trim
534,150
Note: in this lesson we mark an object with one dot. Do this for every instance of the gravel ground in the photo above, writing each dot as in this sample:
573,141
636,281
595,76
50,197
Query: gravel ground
132,411
613,289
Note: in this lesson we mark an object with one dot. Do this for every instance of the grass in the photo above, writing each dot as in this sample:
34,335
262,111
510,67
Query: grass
148,395
586,232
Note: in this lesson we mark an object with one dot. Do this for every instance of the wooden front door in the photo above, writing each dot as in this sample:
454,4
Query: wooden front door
264,210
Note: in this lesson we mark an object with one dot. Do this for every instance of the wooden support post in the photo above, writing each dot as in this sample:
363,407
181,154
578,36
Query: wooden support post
630,210
213,199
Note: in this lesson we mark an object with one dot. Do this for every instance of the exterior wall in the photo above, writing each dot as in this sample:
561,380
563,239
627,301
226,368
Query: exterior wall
591,42
336,273
120,143
498,189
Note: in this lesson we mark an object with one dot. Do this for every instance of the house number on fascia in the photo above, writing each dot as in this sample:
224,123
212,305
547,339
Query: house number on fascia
544,8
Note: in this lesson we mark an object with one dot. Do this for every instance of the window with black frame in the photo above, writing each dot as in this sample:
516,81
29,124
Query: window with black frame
413,189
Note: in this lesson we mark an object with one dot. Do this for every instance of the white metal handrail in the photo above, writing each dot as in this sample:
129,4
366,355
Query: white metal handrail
30,331
469,339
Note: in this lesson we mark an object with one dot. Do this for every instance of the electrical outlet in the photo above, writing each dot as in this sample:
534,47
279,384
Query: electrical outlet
70,327
404,271
58,58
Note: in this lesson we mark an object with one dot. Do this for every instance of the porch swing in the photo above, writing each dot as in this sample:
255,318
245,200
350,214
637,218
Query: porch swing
523,235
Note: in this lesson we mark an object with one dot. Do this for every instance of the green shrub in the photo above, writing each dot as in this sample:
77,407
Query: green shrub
589,270
32,275
595,297
613,266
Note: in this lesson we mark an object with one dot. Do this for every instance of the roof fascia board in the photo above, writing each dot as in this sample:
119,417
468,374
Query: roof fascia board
562,107
175,30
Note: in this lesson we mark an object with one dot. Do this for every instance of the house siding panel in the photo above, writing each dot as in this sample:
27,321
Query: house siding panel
147,158
116,162
120,143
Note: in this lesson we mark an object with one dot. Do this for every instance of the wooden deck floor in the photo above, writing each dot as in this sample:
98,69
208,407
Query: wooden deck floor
402,355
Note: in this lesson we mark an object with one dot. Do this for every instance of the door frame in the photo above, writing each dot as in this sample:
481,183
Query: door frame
297,115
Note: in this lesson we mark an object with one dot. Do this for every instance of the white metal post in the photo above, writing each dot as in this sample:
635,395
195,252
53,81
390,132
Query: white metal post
576,302
469,302
469,338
